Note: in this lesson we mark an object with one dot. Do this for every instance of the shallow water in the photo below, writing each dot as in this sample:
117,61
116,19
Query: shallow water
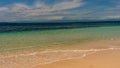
52,38
48,39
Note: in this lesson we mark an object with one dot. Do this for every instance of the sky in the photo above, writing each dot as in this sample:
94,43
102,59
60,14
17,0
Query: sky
59,10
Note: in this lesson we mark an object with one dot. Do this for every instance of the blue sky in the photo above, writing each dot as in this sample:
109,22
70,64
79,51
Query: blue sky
52,10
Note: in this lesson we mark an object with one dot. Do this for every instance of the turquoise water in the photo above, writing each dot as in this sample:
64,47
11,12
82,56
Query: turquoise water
51,38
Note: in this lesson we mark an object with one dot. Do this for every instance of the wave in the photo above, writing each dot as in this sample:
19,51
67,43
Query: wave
46,57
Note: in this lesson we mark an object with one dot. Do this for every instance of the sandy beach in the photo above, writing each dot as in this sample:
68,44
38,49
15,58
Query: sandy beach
99,54
104,59
59,33
71,48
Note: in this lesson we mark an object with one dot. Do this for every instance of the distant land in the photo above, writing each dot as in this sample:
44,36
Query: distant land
29,26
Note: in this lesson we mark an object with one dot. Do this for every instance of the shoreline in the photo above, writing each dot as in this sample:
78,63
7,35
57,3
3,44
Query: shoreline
102,59
47,57
35,58
73,46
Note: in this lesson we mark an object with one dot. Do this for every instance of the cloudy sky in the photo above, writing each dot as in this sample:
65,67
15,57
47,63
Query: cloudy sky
53,10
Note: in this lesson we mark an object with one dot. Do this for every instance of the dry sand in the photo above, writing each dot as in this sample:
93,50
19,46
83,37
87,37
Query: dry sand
104,59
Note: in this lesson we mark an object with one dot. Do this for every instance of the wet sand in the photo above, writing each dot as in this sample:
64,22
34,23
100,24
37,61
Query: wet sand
103,59
97,54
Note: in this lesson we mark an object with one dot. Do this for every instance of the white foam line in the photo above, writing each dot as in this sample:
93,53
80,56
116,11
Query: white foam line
84,55
18,48
56,51
80,50
30,54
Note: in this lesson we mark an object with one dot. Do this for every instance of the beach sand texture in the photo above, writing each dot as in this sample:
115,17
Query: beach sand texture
85,57
104,59
68,48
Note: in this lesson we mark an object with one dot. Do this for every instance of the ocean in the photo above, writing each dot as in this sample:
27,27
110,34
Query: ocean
17,27
17,37
31,45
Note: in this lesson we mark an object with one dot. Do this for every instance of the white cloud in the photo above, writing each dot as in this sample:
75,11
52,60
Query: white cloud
112,17
3,9
67,5
42,9
39,9
48,18
62,9
19,7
